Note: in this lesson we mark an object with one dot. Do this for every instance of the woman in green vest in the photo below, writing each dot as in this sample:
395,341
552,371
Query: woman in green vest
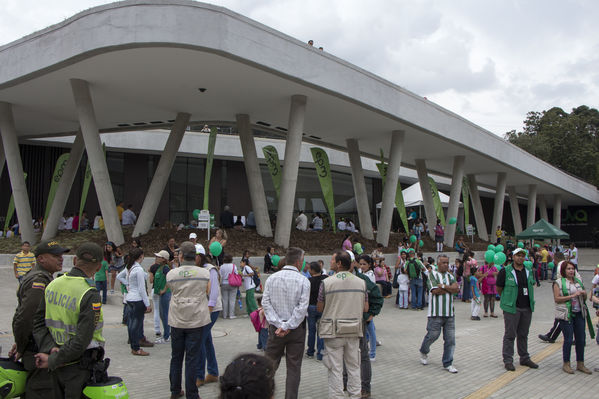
571,311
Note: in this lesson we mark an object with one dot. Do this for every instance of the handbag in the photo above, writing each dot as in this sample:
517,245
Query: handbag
234,279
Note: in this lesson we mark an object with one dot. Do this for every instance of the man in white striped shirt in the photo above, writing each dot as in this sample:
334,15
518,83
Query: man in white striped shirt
441,287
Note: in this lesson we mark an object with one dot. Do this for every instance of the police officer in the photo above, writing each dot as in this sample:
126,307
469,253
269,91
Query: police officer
68,324
48,256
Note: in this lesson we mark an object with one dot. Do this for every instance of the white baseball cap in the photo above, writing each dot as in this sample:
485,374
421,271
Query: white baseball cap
193,235
163,254
517,250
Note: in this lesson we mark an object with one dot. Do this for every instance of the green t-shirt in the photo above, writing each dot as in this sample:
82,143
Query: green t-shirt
101,274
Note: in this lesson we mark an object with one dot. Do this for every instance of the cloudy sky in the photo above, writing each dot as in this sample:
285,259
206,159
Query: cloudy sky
490,61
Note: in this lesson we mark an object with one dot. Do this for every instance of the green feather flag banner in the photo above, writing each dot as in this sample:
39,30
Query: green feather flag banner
61,163
399,201
11,209
323,170
466,200
86,183
274,167
436,202
209,162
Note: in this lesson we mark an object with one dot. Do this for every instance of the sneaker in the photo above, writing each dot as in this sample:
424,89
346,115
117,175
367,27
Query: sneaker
232,317
310,356
423,358
111,292
379,343
167,340
451,369
373,359
159,341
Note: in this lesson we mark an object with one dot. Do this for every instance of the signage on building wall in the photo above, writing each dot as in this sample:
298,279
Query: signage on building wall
323,170
274,166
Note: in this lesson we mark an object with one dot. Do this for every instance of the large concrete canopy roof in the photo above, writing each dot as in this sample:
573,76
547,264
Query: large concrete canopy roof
146,60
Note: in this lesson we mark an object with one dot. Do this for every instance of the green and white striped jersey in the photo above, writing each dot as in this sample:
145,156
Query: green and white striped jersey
440,305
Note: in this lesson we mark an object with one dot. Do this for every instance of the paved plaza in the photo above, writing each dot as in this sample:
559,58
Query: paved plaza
397,371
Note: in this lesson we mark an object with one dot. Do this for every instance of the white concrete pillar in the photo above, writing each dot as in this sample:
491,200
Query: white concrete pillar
390,190
254,176
531,213
161,175
427,196
454,198
479,216
543,207
64,188
557,211
355,161
2,158
515,209
499,201
15,172
293,148
97,160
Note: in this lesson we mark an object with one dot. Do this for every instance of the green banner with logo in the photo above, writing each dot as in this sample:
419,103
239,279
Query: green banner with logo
466,200
87,180
274,167
61,163
436,203
323,170
209,162
11,209
399,201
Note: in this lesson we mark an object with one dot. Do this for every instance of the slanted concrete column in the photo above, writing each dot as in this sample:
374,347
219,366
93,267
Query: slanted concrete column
557,211
293,147
515,209
161,175
427,196
499,200
15,172
64,188
2,158
454,198
254,175
395,154
543,207
479,216
355,160
97,160
531,212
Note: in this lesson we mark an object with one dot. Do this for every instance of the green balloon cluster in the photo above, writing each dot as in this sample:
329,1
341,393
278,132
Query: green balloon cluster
413,239
275,260
550,265
499,248
421,243
453,220
499,258
491,247
489,256
537,246
528,264
215,248
520,244
196,213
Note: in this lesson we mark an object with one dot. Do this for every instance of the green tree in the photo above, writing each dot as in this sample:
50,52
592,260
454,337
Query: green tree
567,141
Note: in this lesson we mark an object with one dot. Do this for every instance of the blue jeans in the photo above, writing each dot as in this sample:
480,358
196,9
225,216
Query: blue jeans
262,338
313,317
466,292
403,299
575,328
371,336
165,300
102,286
433,328
416,287
553,271
544,271
135,323
185,342
207,357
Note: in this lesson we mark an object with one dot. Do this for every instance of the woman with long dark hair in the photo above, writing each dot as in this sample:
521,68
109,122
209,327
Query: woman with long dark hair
138,303
114,257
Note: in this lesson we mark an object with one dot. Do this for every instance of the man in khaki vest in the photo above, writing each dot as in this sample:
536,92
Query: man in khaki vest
342,298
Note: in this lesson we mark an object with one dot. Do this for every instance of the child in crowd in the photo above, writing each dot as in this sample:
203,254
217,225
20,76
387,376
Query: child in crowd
404,283
101,279
260,324
474,287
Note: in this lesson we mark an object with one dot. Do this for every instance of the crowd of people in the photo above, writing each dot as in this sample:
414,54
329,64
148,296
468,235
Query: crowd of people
302,310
